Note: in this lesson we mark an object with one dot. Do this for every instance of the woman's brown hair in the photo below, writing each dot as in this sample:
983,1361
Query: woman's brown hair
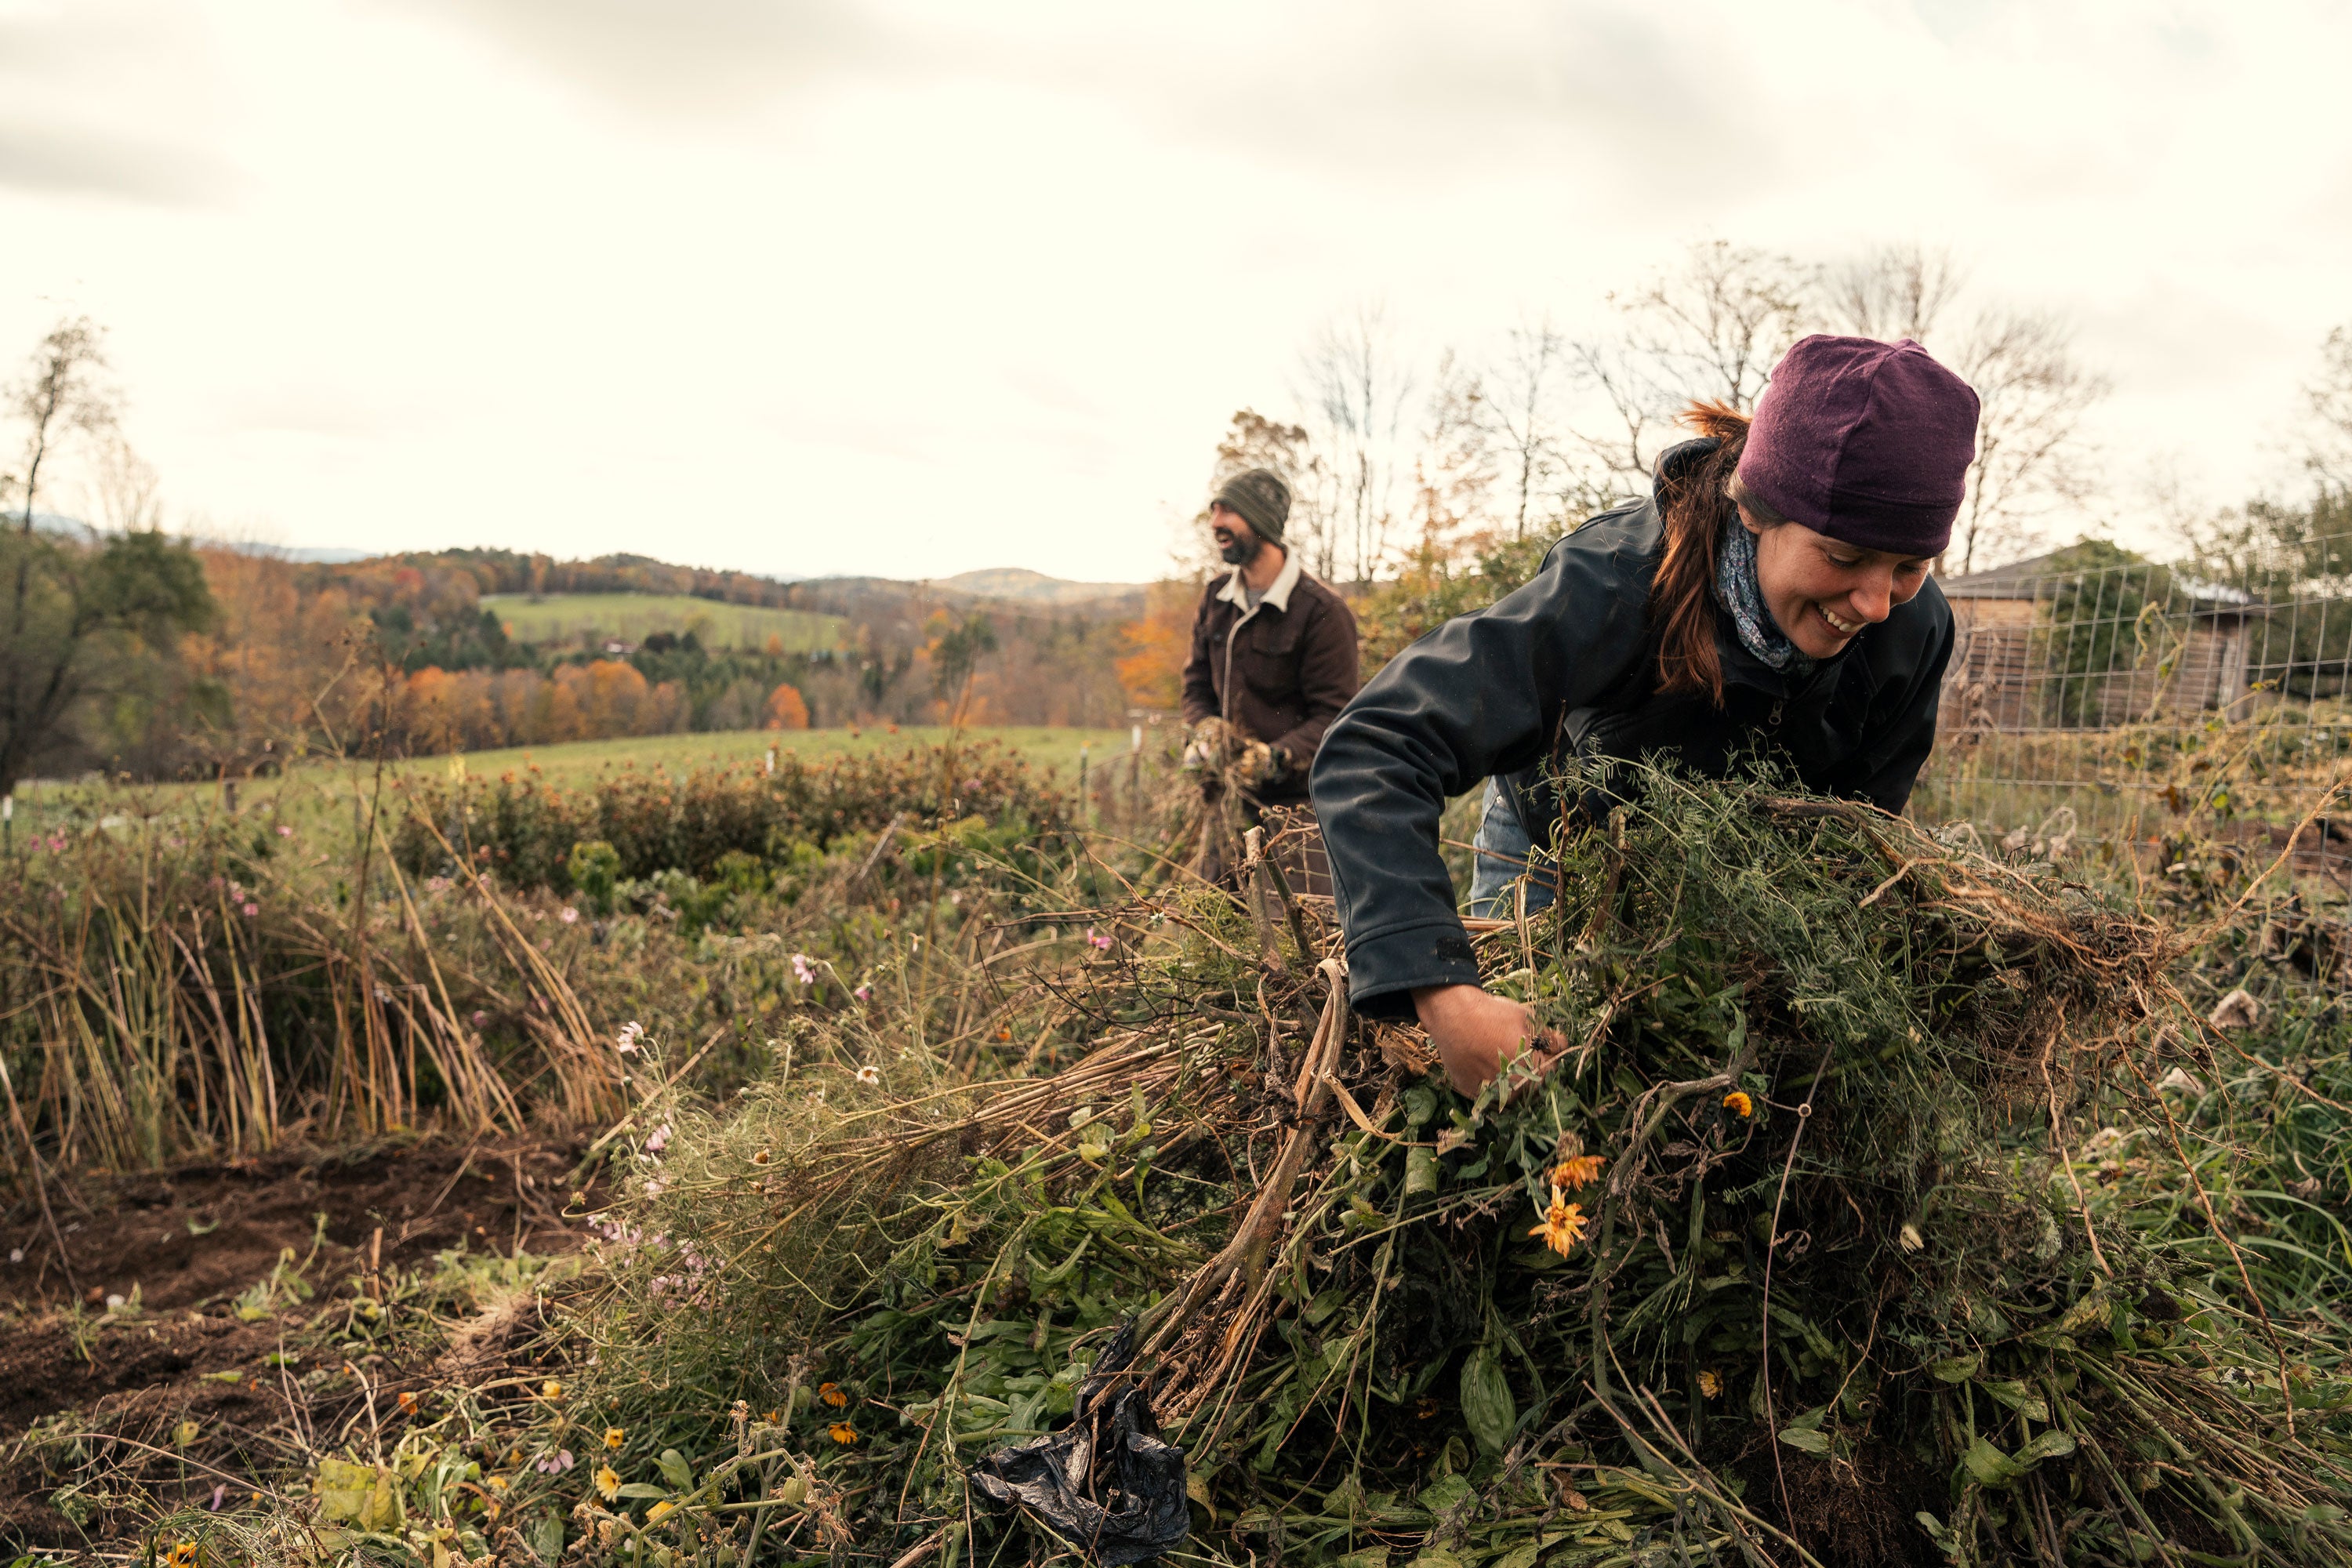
1694,507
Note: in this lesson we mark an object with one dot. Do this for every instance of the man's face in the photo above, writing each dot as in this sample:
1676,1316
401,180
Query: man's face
1238,541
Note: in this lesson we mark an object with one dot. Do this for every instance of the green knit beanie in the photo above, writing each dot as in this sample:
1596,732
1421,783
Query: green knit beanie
1261,499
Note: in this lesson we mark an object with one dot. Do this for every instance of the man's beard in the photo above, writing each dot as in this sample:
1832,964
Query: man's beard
1240,549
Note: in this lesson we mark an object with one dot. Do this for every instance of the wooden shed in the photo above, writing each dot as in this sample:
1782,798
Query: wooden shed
2043,644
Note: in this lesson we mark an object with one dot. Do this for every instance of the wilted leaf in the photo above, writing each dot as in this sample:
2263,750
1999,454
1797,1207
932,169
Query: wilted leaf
1809,1439
1955,1369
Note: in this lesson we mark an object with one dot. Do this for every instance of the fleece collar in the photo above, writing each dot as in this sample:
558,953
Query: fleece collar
1278,595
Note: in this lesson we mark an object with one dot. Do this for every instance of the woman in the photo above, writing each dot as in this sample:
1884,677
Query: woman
1770,596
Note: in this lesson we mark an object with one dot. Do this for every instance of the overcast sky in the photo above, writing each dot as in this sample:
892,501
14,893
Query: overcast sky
913,289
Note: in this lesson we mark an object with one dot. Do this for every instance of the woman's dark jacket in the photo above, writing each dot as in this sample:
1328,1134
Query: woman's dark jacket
1565,671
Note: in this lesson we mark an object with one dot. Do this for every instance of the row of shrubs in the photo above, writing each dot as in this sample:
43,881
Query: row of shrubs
527,829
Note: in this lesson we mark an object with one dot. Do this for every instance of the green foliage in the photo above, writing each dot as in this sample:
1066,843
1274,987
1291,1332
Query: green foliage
90,645
525,830
594,868
2100,620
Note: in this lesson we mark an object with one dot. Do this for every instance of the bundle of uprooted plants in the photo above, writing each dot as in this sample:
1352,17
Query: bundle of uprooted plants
1783,1250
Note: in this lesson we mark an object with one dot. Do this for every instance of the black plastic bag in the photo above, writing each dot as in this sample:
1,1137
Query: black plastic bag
1105,1483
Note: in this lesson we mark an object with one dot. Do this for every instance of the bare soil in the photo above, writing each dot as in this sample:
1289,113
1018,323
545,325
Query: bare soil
184,1244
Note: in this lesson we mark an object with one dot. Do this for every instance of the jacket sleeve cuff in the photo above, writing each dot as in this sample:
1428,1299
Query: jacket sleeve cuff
1383,971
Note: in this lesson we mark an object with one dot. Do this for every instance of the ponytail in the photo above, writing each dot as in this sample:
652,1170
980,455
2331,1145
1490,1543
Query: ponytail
1694,507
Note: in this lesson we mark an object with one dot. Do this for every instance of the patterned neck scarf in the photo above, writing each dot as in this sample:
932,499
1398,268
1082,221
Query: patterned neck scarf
1736,587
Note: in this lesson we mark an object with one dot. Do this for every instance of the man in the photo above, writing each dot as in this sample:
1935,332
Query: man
1274,660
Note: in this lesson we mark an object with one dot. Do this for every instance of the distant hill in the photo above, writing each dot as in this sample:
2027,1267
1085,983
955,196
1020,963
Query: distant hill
1021,585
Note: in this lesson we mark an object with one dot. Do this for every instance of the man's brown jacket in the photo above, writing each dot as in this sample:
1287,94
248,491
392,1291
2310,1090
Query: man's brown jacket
1279,673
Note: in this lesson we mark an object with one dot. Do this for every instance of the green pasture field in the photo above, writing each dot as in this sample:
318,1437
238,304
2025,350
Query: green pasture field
323,794
633,617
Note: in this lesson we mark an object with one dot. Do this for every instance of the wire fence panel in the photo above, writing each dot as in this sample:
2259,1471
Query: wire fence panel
2099,704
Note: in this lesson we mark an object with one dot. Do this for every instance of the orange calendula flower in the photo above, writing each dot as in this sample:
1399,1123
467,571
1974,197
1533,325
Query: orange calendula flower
614,1437
659,1512
1739,1104
183,1555
608,1482
1578,1171
1709,1385
550,1390
1563,1224
830,1393
842,1432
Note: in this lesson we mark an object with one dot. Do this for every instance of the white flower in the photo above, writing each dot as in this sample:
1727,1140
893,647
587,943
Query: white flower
568,915
803,970
869,1076
659,1139
864,994
631,1033
653,1189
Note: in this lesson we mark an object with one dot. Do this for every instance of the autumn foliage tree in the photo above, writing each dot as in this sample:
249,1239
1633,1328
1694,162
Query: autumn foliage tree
786,710
1151,670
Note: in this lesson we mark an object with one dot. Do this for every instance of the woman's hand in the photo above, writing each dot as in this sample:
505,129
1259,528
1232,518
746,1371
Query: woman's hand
1474,1032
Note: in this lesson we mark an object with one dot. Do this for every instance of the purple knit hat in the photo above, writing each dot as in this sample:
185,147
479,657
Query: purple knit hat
1865,441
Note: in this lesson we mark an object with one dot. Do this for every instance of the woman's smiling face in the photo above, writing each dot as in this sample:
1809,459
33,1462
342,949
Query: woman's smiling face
1821,590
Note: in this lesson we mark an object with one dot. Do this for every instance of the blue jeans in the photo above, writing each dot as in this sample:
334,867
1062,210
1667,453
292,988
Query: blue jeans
1504,855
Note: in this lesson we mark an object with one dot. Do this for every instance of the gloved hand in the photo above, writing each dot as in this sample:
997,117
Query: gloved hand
1260,763
1212,741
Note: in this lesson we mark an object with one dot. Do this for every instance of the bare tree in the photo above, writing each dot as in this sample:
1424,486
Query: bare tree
1713,329
1357,394
2032,457
1455,474
121,488
59,397
1894,292
1522,408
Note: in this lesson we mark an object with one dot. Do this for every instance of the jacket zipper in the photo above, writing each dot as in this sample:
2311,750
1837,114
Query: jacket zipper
1226,696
